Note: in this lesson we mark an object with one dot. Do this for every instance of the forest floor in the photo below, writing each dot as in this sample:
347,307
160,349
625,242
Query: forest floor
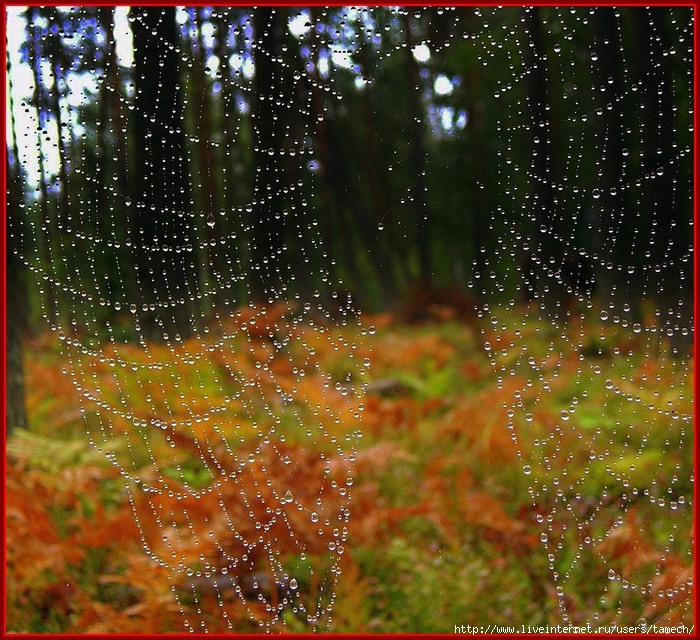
583,515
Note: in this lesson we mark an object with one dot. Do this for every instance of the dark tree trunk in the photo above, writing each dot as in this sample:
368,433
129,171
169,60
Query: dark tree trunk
202,105
206,165
235,183
477,158
666,200
162,229
549,292
609,124
59,63
613,222
114,120
15,303
270,271
417,157
47,228
327,209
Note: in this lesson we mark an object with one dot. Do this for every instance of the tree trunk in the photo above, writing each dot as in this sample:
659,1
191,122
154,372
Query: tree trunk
327,210
270,271
208,200
235,183
59,62
119,115
47,224
162,230
666,199
16,281
612,220
16,296
549,291
477,147
417,157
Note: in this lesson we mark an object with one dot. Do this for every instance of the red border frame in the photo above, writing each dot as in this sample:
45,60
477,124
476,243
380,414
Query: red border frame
696,268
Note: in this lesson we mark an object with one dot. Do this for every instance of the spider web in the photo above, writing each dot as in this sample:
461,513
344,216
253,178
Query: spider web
617,341
253,471
223,486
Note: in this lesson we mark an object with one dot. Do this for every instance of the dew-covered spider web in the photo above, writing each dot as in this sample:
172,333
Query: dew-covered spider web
175,224
606,270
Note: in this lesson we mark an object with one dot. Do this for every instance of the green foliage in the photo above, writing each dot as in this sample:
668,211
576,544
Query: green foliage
422,590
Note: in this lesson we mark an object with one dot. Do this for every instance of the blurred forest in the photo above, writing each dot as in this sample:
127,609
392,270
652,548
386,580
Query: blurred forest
172,169
403,154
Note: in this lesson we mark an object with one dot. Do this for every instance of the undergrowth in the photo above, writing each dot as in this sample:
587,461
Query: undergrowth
448,509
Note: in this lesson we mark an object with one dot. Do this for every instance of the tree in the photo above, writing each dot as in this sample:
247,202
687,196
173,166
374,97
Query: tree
664,206
270,255
610,207
16,296
162,227
548,289
417,154
48,224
